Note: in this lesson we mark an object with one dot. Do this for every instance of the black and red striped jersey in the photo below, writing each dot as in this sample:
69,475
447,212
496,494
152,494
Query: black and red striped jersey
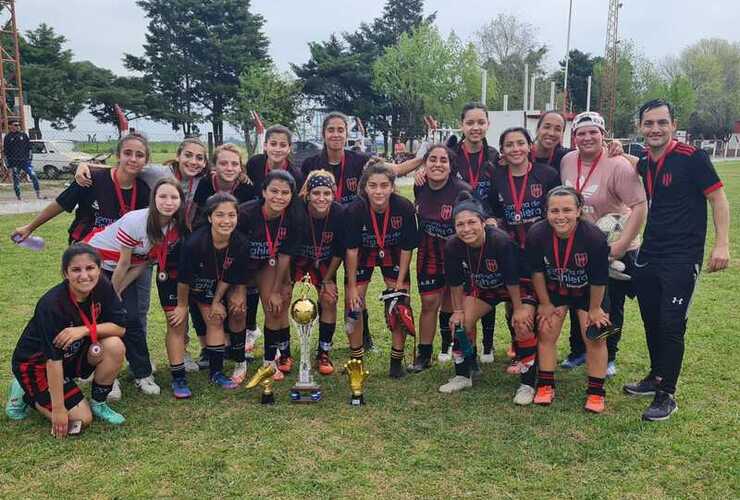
243,192
324,238
285,233
676,226
346,174
476,168
553,159
257,171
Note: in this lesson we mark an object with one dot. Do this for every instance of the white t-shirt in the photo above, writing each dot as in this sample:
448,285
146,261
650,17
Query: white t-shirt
130,232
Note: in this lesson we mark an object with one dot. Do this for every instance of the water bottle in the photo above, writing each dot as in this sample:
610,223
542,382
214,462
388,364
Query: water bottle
35,243
350,319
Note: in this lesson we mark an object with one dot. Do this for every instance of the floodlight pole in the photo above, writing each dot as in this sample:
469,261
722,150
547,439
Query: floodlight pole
567,59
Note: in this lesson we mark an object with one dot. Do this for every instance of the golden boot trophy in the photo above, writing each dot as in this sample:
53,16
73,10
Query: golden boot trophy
263,377
357,375
303,314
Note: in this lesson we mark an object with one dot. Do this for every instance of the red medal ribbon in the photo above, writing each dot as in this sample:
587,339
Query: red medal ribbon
579,188
473,178
220,272
283,166
473,286
556,253
519,200
658,167
317,248
340,177
380,239
123,209
163,248
533,154
92,326
272,245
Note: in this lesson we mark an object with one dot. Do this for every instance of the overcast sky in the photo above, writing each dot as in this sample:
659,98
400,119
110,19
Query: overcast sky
102,30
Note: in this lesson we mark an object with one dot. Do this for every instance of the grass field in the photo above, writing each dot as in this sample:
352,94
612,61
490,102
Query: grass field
409,441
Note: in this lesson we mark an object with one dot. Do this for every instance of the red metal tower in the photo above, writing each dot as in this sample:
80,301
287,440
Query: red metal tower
11,86
611,66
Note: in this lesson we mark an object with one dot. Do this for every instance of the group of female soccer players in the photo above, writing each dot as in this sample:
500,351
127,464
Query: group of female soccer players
513,226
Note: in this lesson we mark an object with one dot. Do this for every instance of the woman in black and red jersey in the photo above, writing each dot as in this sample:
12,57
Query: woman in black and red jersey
75,332
434,202
274,225
569,260
211,273
482,266
320,253
381,232
548,142
517,201
278,140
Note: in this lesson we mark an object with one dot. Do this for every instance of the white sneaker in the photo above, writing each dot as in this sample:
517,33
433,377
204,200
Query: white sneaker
147,385
445,356
115,393
250,339
190,365
456,384
524,395
240,372
487,358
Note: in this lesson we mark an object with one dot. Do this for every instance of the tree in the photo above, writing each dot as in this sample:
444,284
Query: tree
425,74
580,67
339,74
273,95
505,45
53,85
195,52
712,66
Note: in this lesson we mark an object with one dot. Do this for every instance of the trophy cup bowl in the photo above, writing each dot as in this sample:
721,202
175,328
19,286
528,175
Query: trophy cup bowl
303,313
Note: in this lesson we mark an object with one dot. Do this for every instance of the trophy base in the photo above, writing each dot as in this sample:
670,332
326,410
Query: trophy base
267,399
305,394
357,400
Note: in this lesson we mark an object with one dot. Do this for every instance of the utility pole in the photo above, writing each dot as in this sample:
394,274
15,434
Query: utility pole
611,66
11,84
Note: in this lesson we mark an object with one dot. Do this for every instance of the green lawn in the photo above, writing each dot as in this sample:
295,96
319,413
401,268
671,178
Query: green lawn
409,440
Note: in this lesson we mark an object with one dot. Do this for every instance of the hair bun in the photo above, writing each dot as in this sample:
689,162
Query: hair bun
452,141
463,196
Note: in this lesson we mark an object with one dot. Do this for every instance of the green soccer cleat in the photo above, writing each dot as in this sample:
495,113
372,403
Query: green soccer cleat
16,408
106,413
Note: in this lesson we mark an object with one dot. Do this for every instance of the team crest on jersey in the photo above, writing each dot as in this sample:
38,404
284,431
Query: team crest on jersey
491,265
282,232
535,190
445,212
327,238
667,178
581,259
97,309
352,183
227,262
396,221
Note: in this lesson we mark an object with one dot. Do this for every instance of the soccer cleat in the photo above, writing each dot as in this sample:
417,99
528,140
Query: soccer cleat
456,384
147,385
645,387
420,365
240,372
595,403
278,376
445,356
663,406
545,395
223,381
285,364
190,364
250,339
16,408
573,361
524,395
115,392
611,369
326,367
487,357
107,414
180,389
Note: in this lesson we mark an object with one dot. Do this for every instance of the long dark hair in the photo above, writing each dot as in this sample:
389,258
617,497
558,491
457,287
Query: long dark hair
76,249
294,210
175,165
153,227
375,165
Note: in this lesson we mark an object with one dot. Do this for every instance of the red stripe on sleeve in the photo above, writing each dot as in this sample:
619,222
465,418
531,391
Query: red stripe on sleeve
713,188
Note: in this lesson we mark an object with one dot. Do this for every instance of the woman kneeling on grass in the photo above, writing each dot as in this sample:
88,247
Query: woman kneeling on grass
569,259
212,267
75,331
482,267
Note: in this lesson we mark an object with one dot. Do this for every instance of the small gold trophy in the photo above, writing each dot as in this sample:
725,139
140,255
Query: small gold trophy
263,377
357,375
303,313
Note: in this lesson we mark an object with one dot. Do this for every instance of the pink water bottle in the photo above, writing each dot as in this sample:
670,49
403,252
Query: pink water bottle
35,243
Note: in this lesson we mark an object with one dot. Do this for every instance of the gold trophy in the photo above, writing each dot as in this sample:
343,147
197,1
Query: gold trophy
303,313
357,376
263,377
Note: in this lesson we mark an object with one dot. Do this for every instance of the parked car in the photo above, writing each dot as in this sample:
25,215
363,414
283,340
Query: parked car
304,149
634,149
53,158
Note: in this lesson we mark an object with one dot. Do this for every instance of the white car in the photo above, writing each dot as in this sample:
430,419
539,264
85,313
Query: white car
53,158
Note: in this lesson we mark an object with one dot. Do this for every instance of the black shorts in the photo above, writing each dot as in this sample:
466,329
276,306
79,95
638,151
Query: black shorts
365,274
167,291
580,302
526,292
430,283
491,296
32,377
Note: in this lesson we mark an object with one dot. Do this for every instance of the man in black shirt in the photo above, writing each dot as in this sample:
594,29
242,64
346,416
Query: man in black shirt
678,180
17,152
